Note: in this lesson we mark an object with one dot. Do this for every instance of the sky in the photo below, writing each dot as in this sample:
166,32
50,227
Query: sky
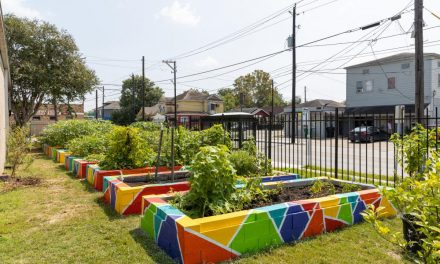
113,35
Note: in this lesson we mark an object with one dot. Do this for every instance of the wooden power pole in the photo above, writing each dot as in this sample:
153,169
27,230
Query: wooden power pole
419,62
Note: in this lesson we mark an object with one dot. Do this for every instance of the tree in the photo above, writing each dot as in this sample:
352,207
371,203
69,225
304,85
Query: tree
256,90
230,100
131,98
46,66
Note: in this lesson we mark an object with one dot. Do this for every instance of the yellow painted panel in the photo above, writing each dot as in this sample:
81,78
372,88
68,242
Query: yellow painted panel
124,197
389,210
332,211
223,235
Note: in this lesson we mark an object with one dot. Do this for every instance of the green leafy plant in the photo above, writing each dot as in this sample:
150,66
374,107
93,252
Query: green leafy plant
215,136
411,149
146,126
212,180
126,150
249,161
320,186
347,187
87,145
60,133
19,145
416,198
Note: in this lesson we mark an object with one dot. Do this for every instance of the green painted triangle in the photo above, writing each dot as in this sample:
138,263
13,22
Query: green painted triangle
345,213
256,233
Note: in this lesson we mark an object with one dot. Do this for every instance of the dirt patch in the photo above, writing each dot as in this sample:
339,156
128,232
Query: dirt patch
10,184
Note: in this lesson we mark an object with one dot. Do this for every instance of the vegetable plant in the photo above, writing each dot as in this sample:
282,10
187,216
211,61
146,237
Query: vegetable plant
88,145
126,150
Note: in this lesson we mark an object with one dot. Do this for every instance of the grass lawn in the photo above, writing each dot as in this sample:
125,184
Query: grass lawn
63,220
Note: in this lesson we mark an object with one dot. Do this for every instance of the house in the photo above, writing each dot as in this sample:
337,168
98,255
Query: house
315,118
255,111
378,86
5,83
109,108
191,105
154,113
45,115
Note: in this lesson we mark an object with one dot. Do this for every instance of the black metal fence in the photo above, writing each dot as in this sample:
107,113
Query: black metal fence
347,145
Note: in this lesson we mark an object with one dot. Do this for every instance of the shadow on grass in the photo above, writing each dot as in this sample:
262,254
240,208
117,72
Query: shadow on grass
150,247
108,210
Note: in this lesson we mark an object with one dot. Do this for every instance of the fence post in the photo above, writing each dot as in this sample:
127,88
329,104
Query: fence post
270,135
336,140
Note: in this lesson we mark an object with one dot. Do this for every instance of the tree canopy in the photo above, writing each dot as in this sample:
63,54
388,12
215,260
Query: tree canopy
256,90
131,98
46,66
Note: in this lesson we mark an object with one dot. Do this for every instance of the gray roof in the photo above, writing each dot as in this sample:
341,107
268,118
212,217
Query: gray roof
111,105
393,58
249,110
321,103
194,95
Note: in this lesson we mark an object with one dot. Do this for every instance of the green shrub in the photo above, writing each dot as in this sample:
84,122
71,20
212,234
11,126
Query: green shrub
188,144
212,180
146,126
244,163
19,145
127,149
249,162
87,145
60,133
215,136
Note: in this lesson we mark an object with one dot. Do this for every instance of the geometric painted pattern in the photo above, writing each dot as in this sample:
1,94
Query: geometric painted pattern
223,237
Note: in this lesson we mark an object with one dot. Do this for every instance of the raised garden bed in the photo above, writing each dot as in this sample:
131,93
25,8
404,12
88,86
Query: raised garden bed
61,155
98,176
125,195
80,167
224,237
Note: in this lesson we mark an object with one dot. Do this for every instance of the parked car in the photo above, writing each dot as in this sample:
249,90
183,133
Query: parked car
367,134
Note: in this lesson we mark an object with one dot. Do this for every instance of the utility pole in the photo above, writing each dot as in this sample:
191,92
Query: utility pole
133,102
143,88
305,94
102,113
419,61
172,65
96,104
293,73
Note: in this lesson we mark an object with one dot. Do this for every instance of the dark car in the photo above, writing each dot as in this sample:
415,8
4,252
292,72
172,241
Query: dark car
367,134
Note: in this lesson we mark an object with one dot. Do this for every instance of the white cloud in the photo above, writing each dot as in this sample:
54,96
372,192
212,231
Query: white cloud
181,13
19,8
207,62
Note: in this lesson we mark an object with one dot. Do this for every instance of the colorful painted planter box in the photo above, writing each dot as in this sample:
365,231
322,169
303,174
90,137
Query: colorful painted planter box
98,177
126,199
61,154
224,237
79,167
91,169
69,162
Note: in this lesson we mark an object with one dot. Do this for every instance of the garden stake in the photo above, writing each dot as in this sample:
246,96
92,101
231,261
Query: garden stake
158,152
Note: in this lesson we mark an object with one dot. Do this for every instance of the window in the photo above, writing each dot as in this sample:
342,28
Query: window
405,66
36,118
368,86
365,71
52,118
359,87
438,80
438,64
392,83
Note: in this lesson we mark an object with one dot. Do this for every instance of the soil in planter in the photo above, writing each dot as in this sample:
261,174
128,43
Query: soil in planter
276,196
290,194
135,181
